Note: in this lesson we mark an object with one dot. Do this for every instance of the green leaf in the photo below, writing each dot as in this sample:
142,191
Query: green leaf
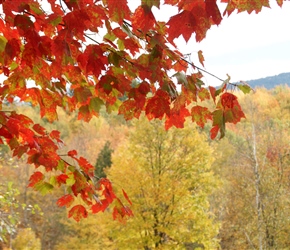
245,88
3,42
218,120
200,115
114,58
13,65
60,165
181,78
121,45
110,36
203,94
43,187
52,180
35,8
70,180
55,21
151,3
95,104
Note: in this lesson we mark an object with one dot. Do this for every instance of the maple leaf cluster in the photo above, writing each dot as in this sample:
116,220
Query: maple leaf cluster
80,55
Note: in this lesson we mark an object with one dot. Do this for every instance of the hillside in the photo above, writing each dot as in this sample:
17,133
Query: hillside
271,81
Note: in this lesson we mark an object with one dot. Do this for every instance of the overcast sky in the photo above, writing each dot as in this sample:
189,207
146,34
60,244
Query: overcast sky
245,46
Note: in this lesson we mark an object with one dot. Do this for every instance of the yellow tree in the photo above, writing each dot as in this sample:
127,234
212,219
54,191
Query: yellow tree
168,178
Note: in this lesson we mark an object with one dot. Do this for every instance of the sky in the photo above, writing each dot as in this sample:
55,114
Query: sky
244,46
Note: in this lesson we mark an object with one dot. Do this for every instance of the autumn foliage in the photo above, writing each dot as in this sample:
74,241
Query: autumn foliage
81,55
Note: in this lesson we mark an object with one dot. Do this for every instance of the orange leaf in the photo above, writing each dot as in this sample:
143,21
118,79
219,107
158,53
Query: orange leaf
118,10
200,57
200,115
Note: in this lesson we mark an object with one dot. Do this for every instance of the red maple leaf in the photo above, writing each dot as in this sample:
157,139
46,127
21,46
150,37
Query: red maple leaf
78,212
228,100
212,11
35,178
177,118
143,19
107,189
100,206
65,200
12,49
232,109
183,24
62,178
54,134
193,19
93,60
214,131
20,150
158,105
72,21
39,129
85,166
72,153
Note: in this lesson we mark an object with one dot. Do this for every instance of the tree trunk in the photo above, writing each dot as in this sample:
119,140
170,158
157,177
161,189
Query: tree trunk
257,188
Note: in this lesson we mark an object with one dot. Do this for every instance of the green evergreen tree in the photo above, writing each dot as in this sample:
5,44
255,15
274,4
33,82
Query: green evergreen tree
104,160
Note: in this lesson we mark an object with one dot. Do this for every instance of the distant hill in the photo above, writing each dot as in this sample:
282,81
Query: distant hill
270,81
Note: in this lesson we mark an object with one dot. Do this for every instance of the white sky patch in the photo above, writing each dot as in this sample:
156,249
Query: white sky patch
245,46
